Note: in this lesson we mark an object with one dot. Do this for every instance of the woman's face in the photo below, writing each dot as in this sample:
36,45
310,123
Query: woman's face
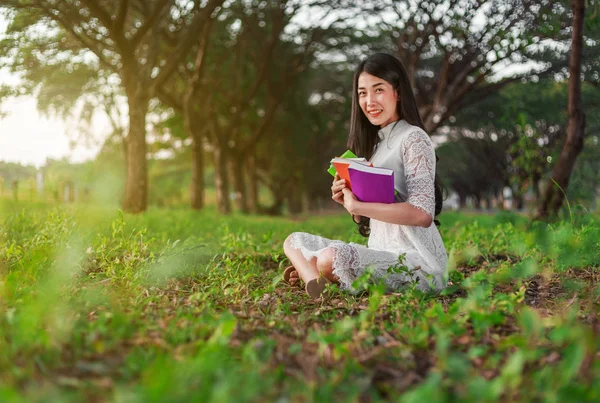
377,99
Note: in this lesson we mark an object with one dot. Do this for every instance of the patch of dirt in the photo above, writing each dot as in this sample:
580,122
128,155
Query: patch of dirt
553,295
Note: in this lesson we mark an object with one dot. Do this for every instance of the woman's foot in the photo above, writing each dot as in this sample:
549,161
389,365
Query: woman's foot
317,286
290,276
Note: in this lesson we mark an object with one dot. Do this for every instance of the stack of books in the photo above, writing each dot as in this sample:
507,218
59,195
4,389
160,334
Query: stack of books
368,183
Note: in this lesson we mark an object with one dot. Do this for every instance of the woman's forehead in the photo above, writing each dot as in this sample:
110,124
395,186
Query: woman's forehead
366,80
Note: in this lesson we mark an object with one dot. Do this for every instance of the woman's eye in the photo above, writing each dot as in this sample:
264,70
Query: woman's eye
378,89
360,94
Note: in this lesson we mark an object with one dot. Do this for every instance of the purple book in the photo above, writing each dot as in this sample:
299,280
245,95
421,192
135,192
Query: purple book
372,184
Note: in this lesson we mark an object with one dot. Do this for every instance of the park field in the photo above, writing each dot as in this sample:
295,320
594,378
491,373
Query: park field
175,305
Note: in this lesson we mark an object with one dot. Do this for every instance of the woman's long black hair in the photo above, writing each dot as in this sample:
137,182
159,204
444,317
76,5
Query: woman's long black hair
363,135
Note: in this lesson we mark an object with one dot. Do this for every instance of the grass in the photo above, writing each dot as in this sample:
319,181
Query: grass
179,305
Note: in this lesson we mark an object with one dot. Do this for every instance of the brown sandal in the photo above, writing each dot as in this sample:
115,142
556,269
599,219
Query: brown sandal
287,272
317,286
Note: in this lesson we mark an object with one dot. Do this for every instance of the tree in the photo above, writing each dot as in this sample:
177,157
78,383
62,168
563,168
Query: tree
474,164
240,61
253,63
527,129
311,128
454,50
554,194
528,155
142,41
585,179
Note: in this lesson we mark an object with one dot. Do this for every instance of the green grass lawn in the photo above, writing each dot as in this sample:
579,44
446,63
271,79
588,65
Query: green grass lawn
175,305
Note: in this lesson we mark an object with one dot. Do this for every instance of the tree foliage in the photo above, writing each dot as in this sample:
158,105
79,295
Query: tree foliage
458,51
143,42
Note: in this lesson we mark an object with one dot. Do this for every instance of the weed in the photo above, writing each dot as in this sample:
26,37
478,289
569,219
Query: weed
97,304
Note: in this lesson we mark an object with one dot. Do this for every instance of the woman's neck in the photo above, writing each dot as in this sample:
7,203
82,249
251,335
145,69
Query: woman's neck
389,123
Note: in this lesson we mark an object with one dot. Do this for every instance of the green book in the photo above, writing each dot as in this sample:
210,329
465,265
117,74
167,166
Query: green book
347,154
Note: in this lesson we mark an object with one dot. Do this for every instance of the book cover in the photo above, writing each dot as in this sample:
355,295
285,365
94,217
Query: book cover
372,184
341,166
346,154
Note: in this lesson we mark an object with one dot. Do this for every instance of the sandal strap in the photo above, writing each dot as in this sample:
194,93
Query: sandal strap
317,286
286,273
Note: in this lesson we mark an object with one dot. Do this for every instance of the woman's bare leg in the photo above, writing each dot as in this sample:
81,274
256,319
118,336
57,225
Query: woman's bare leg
310,269
306,269
325,264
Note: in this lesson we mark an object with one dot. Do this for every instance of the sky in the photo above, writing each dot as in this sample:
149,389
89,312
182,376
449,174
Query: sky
29,138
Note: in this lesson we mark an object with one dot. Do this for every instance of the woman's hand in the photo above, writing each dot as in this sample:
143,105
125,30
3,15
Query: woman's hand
350,201
336,189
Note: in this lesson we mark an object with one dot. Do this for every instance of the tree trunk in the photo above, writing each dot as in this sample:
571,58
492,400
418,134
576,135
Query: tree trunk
517,199
561,173
314,204
125,157
462,201
222,180
239,184
294,201
252,185
499,197
136,190
197,184
488,201
536,188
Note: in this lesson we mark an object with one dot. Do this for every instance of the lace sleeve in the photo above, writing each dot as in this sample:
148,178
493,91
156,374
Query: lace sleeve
419,167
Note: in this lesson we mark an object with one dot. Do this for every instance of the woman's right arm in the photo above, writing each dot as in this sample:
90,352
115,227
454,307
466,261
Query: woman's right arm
338,185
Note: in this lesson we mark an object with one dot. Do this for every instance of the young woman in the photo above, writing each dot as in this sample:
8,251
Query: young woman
387,130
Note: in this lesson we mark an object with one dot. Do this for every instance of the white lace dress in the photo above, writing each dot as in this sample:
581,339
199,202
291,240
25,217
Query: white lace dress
409,152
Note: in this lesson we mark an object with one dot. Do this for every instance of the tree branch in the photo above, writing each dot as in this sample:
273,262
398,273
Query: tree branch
266,57
119,22
186,42
89,43
158,10
169,100
199,63
100,13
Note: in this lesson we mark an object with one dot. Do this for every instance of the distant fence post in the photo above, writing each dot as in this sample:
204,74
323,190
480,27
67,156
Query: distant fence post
39,184
15,189
85,197
31,186
68,192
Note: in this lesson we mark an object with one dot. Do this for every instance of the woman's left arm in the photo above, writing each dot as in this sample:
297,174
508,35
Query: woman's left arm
419,167
396,213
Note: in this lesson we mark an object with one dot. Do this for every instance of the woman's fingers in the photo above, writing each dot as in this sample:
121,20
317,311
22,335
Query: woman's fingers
336,189
338,186
338,197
